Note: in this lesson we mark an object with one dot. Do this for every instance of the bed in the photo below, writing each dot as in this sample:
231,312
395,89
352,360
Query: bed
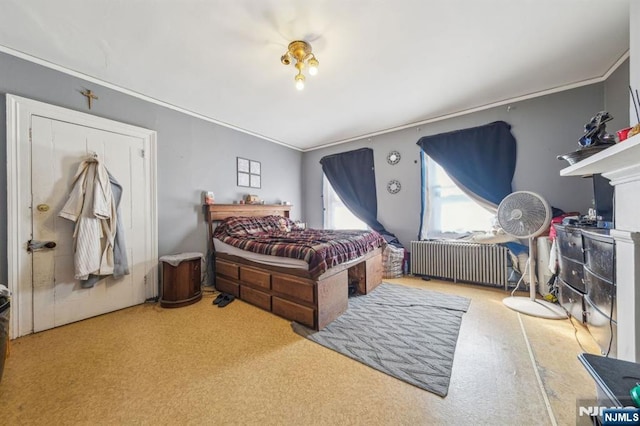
307,284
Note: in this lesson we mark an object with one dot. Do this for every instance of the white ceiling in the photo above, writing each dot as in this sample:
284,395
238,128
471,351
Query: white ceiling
383,64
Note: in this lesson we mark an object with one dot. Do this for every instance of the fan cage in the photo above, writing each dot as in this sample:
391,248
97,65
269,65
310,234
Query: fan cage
524,214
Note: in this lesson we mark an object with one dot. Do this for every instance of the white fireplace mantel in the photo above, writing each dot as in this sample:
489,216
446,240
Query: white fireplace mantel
621,164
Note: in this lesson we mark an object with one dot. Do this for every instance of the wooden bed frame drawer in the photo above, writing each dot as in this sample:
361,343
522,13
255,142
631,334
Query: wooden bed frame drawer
255,277
255,297
224,285
293,311
230,270
296,288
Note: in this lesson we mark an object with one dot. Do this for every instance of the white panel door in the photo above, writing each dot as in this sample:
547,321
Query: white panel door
57,149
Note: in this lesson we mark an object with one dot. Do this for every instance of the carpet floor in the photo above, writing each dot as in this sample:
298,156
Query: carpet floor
200,364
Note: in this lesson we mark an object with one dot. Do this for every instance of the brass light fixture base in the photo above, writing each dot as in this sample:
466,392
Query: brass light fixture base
297,49
301,52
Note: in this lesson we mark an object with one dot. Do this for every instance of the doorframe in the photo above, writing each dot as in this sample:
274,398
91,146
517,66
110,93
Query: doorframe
19,264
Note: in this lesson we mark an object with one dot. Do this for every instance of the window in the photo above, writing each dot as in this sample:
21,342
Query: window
449,211
336,214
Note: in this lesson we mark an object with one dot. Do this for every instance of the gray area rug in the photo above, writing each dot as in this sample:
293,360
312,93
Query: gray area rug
408,333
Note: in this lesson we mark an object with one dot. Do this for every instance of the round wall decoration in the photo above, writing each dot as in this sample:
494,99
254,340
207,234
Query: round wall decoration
393,157
393,186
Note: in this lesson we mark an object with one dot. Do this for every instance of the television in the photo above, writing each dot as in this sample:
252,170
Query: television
603,200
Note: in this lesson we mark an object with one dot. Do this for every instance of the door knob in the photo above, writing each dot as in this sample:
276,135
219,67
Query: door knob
39,245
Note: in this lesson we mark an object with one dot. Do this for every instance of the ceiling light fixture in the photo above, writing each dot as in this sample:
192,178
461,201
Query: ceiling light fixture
301,52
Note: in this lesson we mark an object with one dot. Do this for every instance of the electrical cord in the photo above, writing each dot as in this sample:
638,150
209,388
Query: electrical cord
570,318
526,269
610,344
613,300
575,329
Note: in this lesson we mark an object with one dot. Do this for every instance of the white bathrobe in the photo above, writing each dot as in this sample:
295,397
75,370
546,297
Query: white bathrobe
92,207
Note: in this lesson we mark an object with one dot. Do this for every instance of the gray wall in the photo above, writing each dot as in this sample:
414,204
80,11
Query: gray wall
544,127
616,98
193,155
634,56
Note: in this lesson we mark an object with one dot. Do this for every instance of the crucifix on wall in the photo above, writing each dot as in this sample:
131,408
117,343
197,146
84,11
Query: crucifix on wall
90,96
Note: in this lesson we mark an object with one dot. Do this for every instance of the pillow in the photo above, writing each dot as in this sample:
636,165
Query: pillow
242,226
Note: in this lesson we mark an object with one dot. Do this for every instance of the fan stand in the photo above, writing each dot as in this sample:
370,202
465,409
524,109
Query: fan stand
530,305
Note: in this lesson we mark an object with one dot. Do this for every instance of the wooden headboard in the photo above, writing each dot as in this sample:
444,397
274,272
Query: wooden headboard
216,212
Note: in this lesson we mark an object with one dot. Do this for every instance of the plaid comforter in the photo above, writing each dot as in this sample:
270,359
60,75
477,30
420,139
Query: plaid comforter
278,236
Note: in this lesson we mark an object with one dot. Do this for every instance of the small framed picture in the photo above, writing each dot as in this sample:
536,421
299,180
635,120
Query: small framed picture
243,165
254,167
255,181
249,173
243,179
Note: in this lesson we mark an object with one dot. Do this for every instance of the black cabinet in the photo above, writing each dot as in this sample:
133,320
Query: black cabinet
614,380
572,300
587,290
601,293
571,258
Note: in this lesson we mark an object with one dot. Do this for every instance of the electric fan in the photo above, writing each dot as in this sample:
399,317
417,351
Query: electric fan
525,214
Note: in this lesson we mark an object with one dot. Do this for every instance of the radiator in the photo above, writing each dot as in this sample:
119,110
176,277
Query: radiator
461,261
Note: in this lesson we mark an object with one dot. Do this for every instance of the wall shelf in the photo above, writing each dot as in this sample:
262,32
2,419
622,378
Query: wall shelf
621,156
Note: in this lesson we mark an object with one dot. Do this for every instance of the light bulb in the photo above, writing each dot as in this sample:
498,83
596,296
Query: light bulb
299,84
313,66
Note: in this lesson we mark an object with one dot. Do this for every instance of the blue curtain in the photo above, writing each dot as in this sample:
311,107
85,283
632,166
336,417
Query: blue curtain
352,176
482,159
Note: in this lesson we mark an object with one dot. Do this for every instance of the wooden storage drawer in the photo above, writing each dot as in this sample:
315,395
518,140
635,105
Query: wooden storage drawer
255,277
374,274
293,311
570,242
255,297
291,286
572,273
224,285
227,269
